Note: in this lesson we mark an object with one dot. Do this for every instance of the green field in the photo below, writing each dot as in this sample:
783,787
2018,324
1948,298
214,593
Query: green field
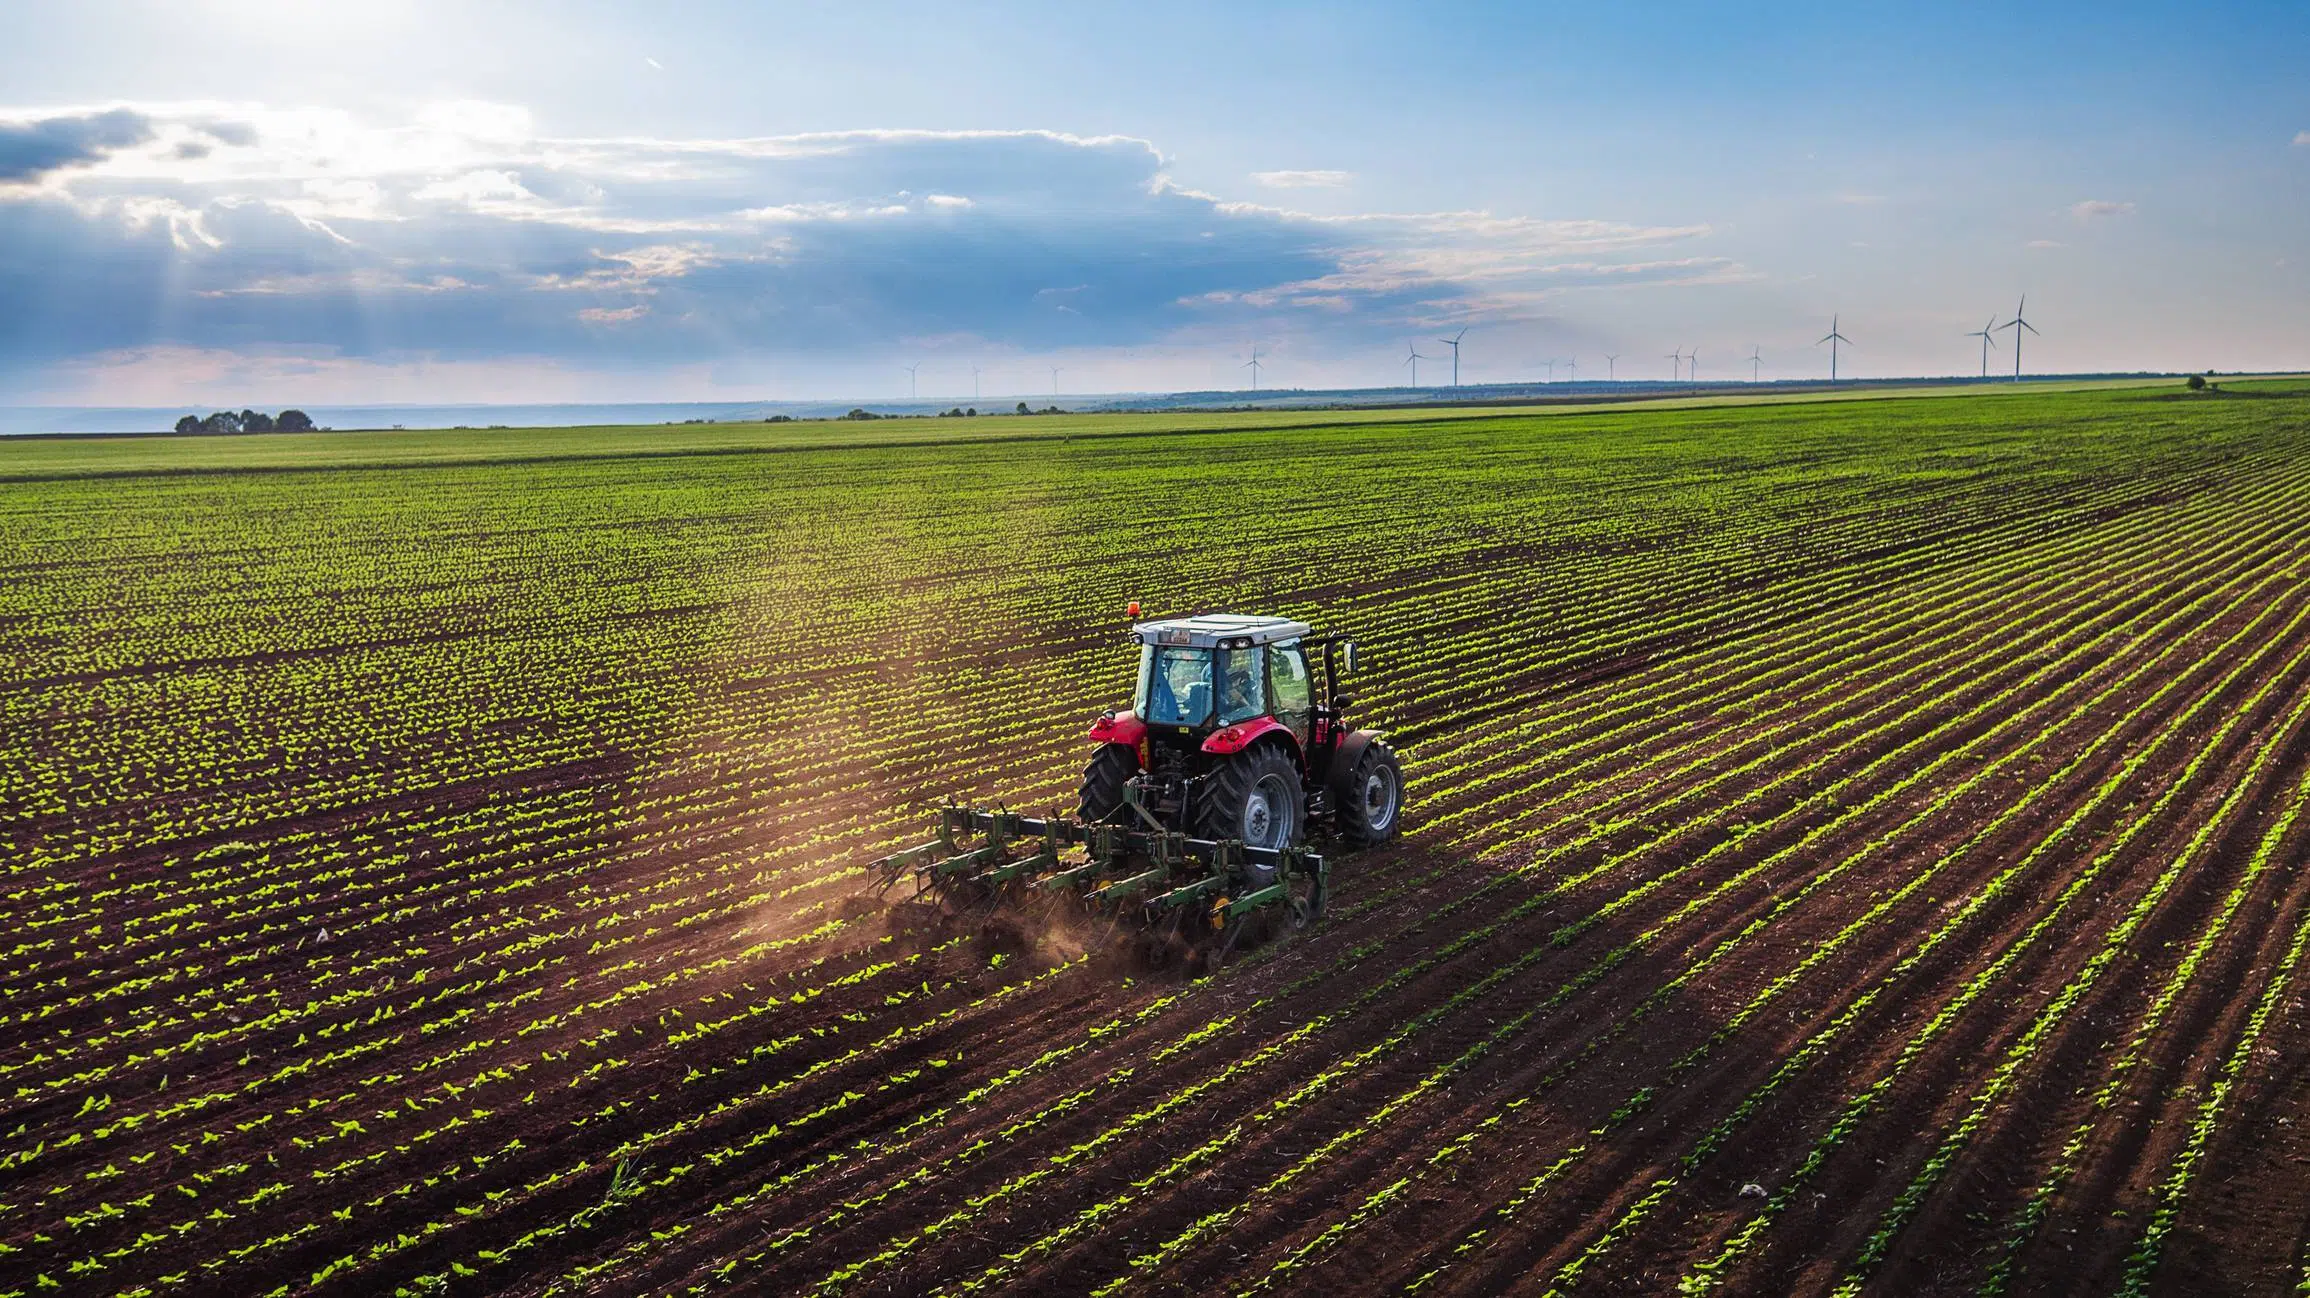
68,456
432,859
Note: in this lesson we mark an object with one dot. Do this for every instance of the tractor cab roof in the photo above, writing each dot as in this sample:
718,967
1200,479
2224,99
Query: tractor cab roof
1219,631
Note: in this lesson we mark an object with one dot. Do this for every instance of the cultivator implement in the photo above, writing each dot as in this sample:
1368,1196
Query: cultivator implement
1143,874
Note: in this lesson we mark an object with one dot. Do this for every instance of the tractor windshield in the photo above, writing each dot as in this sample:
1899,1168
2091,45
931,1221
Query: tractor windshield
1240,698
1174,686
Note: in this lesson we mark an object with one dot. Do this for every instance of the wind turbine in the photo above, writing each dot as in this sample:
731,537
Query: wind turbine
1453,342
1611,366
1572,365
1551,370
1988,336
974,383
1413,359
1675,365
1054,380
1253,365
1756,361
2017,324
1832,340
910,379
1693,365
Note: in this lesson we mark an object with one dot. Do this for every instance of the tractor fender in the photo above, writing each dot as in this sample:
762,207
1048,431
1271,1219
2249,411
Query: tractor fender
1119,728
1344,758
1243,734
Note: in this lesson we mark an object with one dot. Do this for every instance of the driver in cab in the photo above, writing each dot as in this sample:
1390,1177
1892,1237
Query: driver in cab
1240,696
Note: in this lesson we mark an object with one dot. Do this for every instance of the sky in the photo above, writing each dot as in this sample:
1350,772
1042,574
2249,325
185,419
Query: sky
259,202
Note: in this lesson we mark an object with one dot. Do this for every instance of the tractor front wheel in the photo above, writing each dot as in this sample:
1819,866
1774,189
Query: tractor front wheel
1111,768
1254,797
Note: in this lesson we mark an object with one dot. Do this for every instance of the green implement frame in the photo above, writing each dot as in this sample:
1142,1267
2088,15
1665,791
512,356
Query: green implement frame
1127,871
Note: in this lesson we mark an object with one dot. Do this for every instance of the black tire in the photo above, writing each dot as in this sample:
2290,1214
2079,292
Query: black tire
1101,797
1371,799
1253,797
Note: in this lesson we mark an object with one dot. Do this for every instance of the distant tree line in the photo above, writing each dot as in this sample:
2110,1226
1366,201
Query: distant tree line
959,412
247,421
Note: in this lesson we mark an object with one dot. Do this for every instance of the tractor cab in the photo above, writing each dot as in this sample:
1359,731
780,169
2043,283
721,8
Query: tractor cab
1202,673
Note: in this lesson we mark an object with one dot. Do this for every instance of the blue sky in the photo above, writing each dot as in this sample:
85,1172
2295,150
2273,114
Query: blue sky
259,202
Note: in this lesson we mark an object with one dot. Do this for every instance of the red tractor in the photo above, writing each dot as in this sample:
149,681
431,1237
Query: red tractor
1206,802
1232,735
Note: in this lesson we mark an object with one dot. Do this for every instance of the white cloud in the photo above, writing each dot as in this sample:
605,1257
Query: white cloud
618,315
947,200
481,191
477,120
1303,179
187,227
2302,139
2094,208
1401,252
322,197
663,261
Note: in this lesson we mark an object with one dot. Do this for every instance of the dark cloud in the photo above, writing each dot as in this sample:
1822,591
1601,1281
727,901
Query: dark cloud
31,149
240,135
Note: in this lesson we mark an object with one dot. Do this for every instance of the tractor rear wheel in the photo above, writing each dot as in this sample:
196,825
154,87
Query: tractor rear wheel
1253,797
1371,798
1101,797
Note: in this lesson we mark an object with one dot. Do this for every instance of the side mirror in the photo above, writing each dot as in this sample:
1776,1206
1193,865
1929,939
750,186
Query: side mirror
1347,655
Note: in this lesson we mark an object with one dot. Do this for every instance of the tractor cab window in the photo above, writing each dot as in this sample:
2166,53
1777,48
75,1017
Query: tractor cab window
1241,692
1174,686
1289,686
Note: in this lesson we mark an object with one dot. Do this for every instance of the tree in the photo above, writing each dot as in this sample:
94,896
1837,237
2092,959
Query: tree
2197,382
294,421
1023,409
223,423
189,424
256,421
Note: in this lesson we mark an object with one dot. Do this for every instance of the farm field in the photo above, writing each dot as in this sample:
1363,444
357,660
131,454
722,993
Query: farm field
50,456
1853,847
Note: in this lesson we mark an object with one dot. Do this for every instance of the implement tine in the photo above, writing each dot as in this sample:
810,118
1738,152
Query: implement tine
1235,929
994,902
